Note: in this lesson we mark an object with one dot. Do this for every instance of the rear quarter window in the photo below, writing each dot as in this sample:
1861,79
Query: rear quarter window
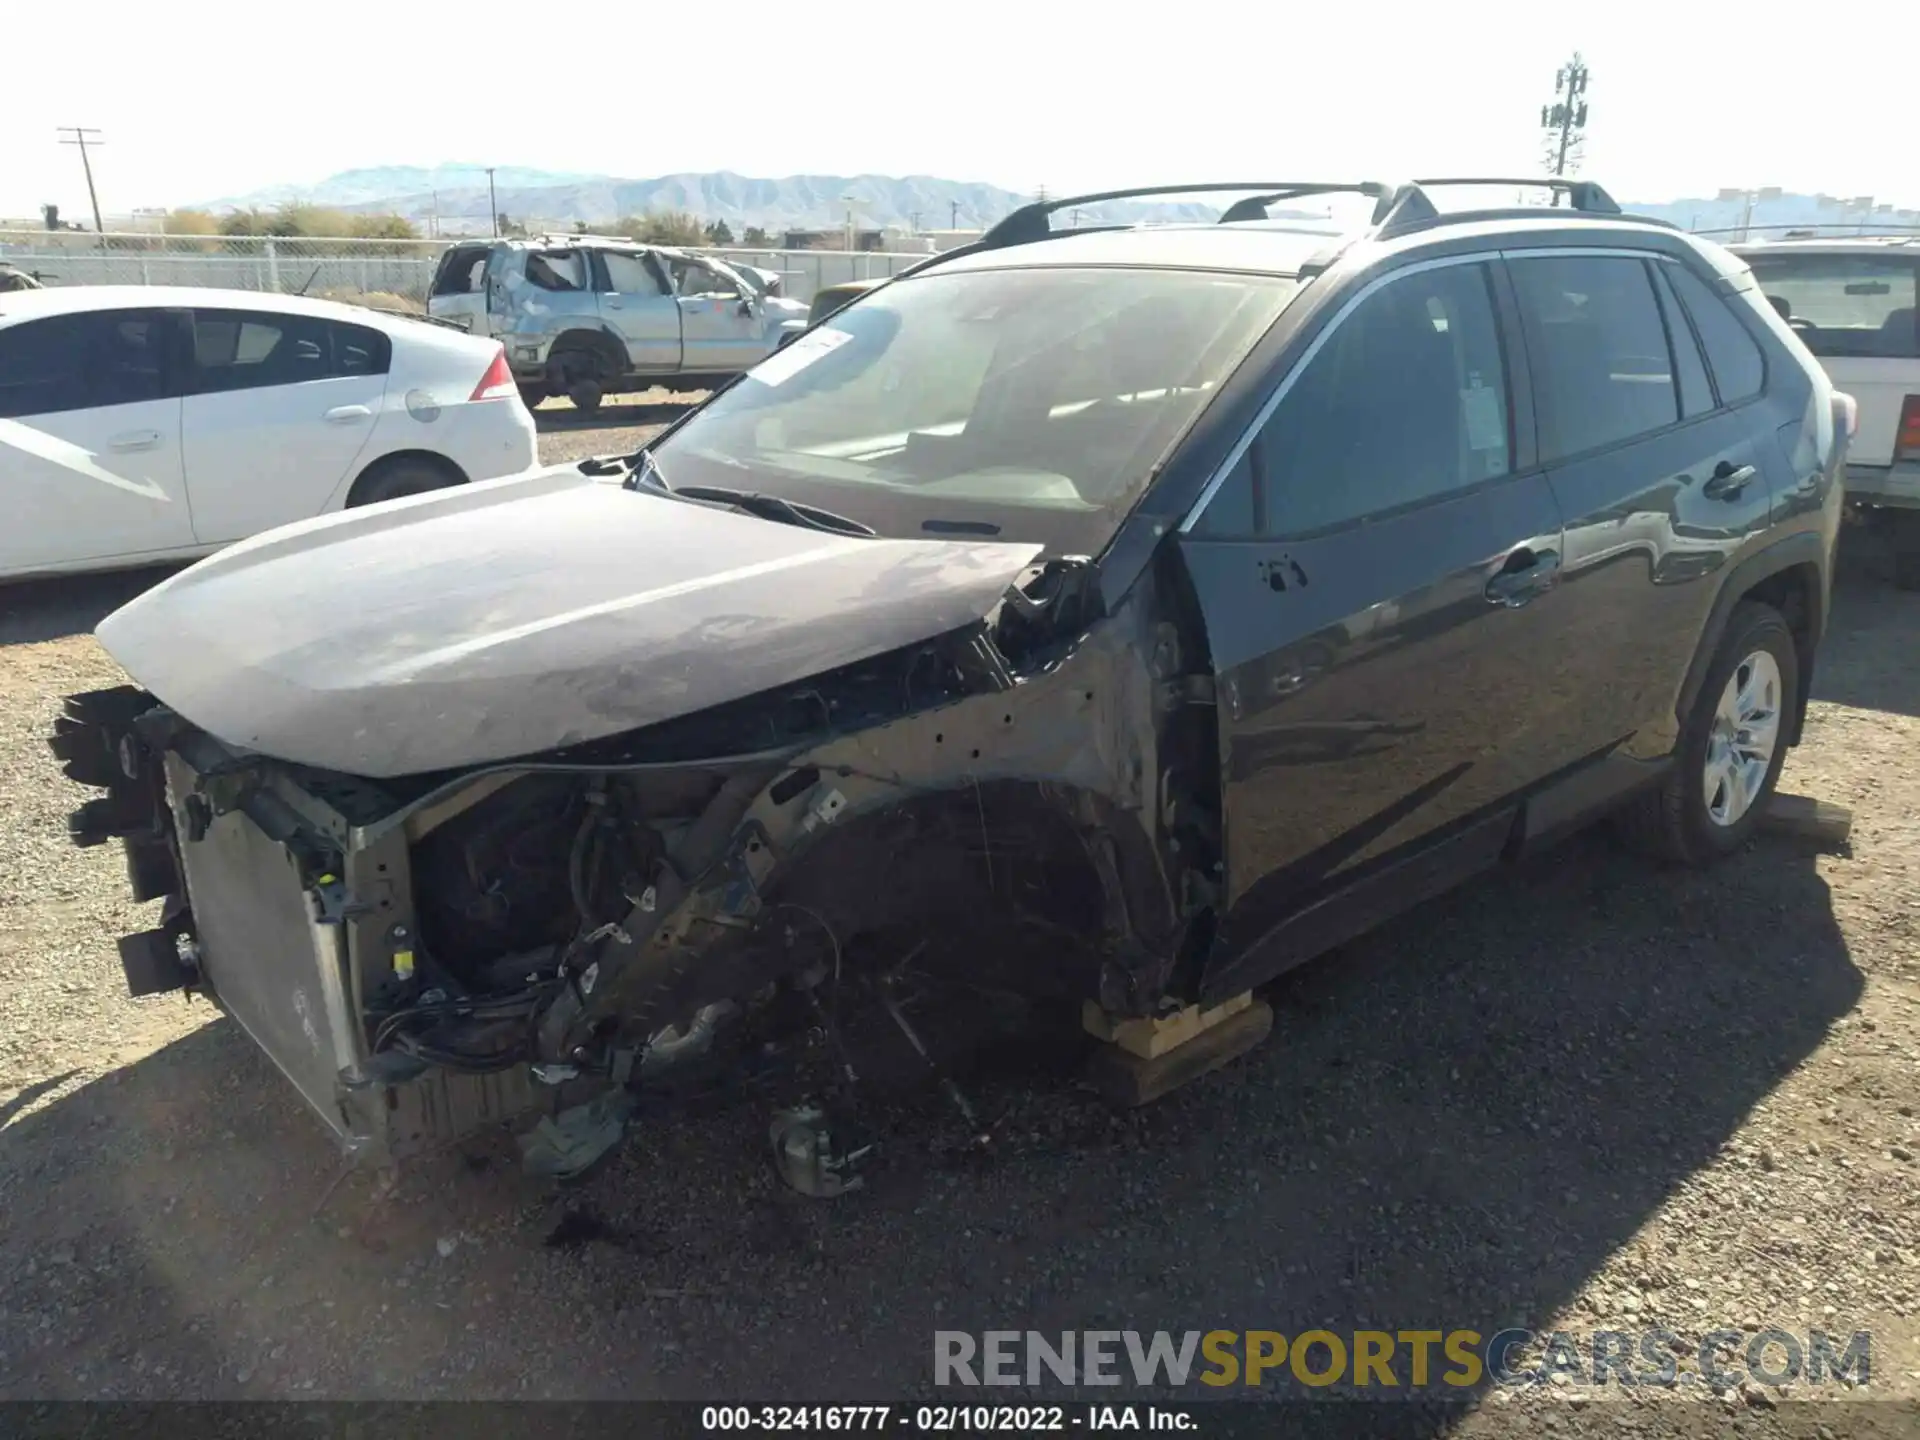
1739,371
1846,305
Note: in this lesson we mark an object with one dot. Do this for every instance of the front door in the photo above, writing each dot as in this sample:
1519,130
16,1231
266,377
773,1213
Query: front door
721,321
90,463
638,305
1378,580
279,409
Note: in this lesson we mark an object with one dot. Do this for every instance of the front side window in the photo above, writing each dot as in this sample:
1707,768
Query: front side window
1602,370
1846,305
1406,401
82,362
692,278
1027,403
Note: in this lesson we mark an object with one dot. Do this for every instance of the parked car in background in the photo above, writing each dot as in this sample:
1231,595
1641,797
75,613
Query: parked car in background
1206,593
143,425
829,298
1856,305
588,316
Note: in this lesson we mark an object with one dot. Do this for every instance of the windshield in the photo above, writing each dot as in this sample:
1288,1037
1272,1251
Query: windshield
1025,404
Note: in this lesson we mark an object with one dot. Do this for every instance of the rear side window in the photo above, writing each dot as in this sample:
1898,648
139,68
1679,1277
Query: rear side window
1602,370
247,350
1732,353
1407,401
557,269
629,274
1696,391
82,362
1841,305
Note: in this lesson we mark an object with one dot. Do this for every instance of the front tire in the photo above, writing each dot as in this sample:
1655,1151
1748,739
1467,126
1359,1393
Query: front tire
1731,747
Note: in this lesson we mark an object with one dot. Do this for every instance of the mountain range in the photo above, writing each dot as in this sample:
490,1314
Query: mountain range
457,195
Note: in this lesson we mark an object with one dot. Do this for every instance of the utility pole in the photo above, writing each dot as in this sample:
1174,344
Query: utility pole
1565,120
493,203
81,134
953,214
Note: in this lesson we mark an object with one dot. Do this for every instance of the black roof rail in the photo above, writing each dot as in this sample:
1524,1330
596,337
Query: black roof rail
1030,222
1581,194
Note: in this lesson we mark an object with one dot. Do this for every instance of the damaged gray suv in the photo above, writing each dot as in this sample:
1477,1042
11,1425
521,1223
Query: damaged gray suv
1119,615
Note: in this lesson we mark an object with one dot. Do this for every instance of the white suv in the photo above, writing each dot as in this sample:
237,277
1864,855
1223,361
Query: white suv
144,425
1854,303
587,316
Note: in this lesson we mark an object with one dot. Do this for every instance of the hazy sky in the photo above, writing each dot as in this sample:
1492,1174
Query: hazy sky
215,98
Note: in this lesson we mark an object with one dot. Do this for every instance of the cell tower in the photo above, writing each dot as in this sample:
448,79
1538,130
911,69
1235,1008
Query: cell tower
1564,122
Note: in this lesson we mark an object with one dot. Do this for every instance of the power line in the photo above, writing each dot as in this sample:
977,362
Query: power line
80,134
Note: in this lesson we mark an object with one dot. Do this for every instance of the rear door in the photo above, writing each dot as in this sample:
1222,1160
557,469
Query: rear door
1662,479
637,304
279,408
1378,575
721,324
90,418
1856,312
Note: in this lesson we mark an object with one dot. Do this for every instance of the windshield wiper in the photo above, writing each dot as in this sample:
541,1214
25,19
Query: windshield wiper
646,471
773,507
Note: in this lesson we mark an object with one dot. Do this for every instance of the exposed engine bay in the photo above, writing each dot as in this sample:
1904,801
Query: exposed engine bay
722,898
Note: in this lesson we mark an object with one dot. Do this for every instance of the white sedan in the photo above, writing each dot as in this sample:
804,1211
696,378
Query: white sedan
140,425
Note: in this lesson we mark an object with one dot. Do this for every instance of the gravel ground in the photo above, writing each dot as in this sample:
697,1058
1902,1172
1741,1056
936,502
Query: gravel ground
1591,1094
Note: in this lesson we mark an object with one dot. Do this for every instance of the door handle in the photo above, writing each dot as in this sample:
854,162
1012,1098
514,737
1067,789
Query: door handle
1526,573
134,440
615,303
346,414
1728,480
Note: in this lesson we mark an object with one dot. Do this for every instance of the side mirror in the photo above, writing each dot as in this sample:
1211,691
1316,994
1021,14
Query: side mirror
746,305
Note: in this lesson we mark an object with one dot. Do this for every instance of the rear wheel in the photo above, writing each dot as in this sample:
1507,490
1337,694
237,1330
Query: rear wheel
407,476
1731,747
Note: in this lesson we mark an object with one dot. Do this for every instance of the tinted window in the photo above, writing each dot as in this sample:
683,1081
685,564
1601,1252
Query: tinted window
1407,400
1696,391
1230,511
79,362
1732,354
1599,351
245,350
1845,304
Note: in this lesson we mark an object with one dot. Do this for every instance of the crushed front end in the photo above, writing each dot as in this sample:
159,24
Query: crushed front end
426,955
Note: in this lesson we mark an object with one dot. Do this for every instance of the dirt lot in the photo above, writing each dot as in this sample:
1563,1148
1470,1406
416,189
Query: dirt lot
1592,1093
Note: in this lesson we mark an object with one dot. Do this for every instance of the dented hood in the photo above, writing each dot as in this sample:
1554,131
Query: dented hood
496,620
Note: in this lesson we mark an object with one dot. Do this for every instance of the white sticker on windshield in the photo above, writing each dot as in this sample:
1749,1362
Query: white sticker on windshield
1485,429
783,365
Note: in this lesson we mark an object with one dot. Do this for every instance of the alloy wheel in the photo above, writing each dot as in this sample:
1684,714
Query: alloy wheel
1746,728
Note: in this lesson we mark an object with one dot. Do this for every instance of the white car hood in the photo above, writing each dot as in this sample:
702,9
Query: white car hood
491,621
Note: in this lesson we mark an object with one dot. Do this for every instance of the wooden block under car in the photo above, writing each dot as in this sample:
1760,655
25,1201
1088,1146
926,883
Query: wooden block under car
1145,1059
1800,815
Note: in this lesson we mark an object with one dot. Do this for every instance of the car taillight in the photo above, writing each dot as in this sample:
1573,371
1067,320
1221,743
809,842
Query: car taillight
1907,446
497,383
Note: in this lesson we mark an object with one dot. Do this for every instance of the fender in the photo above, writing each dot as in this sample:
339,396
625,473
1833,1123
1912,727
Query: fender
1806,547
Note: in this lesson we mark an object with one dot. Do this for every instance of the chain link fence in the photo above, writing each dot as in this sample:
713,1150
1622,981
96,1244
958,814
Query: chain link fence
385,274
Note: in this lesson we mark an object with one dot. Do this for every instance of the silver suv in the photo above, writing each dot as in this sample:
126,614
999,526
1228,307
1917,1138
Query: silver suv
586,316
